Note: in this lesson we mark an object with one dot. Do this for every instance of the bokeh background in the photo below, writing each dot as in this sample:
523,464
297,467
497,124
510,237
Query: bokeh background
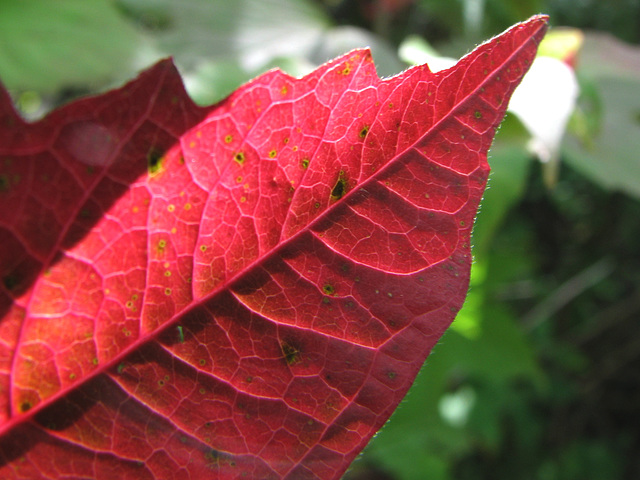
539,376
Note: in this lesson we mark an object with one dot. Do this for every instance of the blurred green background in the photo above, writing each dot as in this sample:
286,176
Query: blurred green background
539,377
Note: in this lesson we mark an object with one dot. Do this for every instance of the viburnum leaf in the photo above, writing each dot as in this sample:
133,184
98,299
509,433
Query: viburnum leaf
241,291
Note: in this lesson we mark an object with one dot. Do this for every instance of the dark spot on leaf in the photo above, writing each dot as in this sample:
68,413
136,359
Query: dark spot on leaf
305,163
364,131
291,353
239,158
339,189
328,289
10,281
25,406
154,161
4,183
180,333
212,456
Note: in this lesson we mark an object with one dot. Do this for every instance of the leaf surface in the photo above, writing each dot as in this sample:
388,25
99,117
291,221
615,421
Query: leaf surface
241,291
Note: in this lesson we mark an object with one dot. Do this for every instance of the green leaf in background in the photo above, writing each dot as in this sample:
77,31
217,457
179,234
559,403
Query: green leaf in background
510,161
48,45
610,156
219,44
250,31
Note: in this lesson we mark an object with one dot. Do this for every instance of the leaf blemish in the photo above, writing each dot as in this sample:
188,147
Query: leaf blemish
291,354
10,281
155,162
4,183
340,188
239,158
25,406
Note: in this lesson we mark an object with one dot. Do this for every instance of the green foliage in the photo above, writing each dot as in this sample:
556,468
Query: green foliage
537,378
48,46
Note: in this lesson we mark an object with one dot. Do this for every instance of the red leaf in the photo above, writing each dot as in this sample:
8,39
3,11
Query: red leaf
246,290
